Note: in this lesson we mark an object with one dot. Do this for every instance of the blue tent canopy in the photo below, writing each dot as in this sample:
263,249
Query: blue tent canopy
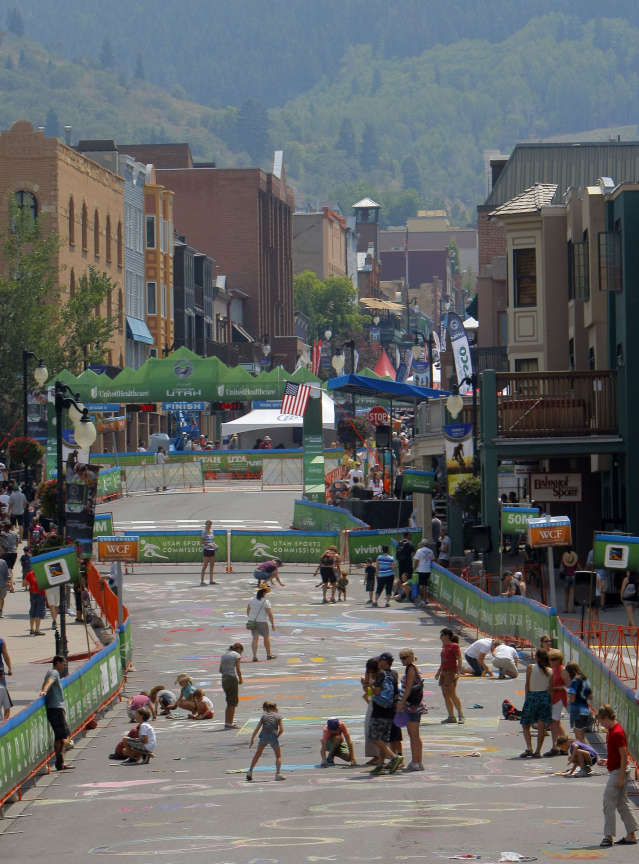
361,385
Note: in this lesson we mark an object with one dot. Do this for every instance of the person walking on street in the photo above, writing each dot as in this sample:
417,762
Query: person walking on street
569,564
37,609
444,549
259,613
385,573
370,674
629,593
6,583
536,711
411,693
384,700
423,562
5,700
9,544
209,548
270,730
436,528
327,569
404,554
615,796
558,698
56,710
17,506
231,679
450,668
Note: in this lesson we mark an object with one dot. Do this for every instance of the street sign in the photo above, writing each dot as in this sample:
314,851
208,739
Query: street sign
118,548
549,531
378,416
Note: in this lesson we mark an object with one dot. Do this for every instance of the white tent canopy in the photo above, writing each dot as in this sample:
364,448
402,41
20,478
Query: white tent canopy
263,419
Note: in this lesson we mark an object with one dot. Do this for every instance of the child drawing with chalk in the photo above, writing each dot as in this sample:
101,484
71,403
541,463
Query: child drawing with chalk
203,706
270,729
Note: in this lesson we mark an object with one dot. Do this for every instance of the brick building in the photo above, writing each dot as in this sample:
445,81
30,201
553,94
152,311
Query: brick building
79,200
319,243
241,217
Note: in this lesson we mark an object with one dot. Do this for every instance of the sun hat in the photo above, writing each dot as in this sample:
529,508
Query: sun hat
332,723
387,657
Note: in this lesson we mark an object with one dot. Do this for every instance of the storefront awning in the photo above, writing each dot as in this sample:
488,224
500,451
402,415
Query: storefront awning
137,330
378,303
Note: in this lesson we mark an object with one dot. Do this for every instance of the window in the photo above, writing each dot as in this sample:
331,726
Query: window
85,228
72,284
150,232
151,298
527,364
610,272
96,234
571,355
27,201
107,240
525,277
71,218
119,242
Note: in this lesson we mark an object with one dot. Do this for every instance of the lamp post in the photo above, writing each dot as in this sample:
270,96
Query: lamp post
455,404
85,435
40,374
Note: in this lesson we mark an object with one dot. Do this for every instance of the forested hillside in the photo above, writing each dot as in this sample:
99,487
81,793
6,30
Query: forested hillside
227,51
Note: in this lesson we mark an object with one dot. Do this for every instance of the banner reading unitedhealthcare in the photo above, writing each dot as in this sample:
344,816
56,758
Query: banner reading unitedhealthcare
461,350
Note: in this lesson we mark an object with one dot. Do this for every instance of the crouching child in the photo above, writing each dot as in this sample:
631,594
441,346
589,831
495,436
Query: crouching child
336,743
140,749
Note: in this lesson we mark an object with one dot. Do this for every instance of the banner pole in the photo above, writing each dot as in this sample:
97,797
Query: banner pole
120,588
229,565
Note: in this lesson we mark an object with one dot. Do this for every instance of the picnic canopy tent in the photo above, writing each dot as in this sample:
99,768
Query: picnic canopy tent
269,419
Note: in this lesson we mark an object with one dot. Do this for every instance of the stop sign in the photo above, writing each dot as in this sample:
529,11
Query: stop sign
378,416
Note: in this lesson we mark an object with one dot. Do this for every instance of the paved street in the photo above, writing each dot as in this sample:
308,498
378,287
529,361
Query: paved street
193,802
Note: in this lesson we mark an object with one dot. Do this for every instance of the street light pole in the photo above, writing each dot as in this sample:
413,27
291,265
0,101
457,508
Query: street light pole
85,435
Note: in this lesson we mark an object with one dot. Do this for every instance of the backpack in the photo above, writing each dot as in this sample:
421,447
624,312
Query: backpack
403,552
327,560
387,697
509,711
630,591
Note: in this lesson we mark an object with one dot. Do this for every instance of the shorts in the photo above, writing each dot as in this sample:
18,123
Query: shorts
10,558
261,628
57,718
166,700
385,584
414,716
5,699
370,583
328,575
231,687
447,677
379,729
36,606
137,745
475,665
405,570
3,593
424,579
209,553
269,738
557,710
536,708
581,721
53,596
17,519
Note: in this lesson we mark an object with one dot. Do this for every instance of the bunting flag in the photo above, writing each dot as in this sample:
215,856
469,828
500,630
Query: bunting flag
317,355
295,399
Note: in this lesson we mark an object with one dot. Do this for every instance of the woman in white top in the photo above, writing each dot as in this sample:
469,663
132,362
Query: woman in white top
537,707
259,613
209,548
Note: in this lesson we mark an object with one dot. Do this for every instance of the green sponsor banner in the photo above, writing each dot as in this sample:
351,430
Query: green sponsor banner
26,738
368,543
56,567
171,547
232,462
514,520
312,516
109,482
616,552
103,525
314,487
418,481
298,547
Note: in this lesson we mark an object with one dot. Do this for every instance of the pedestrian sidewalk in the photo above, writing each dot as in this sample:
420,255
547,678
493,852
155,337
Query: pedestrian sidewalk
31,655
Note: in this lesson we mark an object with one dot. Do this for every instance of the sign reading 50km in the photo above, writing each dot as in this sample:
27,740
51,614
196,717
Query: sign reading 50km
117,548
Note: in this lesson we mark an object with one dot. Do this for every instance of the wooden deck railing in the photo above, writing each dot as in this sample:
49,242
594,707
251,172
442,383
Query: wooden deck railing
556,404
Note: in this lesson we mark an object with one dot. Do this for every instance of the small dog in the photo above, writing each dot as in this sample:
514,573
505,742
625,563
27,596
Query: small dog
342,583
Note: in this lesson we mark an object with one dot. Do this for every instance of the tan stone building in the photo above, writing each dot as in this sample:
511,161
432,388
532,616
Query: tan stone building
319,243
158,214
79,200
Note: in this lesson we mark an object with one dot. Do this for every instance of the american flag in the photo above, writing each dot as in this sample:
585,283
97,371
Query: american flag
295,399
317,356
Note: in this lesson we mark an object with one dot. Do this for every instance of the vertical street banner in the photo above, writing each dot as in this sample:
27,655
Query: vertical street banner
314,488
50,455
56,567
37,426
81,491
460,349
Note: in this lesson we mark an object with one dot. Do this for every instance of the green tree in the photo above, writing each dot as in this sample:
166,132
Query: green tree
86,333
346,140
252,129
453,255
369,150
29,297
15,22
330,304
411,174
52,124
107,60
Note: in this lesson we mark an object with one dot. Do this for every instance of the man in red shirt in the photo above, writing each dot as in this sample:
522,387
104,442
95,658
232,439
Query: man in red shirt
615,795
37,609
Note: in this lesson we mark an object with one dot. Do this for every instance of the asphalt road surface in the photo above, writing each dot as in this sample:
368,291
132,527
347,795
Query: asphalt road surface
192,803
